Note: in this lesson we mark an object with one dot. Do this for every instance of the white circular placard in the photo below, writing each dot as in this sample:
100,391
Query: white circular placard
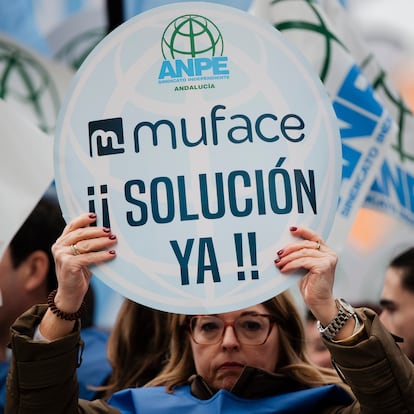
198,134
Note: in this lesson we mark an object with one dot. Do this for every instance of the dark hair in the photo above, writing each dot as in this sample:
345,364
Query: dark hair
405,262
40,230
137,347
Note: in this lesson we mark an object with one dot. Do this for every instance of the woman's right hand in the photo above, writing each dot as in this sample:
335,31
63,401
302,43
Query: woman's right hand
79,246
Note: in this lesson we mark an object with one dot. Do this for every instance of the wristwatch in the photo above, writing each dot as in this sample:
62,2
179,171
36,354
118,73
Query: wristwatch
345,312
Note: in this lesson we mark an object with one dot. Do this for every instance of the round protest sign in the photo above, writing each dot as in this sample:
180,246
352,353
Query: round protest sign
198,134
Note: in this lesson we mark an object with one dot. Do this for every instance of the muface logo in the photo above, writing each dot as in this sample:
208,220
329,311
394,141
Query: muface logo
192,47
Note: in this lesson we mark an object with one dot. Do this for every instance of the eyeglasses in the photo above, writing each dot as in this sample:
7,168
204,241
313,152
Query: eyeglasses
250,329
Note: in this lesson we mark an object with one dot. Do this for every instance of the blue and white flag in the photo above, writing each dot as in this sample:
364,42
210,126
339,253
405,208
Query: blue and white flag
26,170
375,214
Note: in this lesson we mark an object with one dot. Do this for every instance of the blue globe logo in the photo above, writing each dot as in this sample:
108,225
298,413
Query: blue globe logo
189,36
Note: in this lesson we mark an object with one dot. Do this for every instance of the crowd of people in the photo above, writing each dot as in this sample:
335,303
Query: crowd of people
248,360
266,358
245,354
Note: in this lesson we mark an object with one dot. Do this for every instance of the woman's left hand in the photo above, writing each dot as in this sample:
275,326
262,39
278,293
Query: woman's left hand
309,252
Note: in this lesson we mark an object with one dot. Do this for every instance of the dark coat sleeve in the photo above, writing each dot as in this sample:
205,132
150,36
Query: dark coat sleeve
379,373
42,376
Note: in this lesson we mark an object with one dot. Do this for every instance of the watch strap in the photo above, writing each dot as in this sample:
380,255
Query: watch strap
337,323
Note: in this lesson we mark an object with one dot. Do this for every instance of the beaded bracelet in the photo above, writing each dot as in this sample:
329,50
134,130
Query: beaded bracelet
60,314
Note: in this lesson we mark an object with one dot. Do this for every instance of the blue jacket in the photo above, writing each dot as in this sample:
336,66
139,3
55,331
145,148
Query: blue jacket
96,368
4,367
156,400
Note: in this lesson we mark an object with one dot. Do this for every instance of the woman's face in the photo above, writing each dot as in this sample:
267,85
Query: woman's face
220,364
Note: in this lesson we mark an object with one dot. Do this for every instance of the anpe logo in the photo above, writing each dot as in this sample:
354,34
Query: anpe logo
192,47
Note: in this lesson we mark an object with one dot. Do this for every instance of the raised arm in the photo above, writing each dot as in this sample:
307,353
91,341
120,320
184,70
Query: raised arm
79,246
363,351
42,373
310,252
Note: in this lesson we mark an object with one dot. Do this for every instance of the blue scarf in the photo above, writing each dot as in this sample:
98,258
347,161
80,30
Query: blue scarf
155,400
4,368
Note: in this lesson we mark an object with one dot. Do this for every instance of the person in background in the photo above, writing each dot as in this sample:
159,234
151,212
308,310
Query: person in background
397,300
248,360
318,352
27,275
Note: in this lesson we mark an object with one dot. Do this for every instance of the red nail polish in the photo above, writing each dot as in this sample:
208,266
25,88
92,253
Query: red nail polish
112,252
293,228
106,230
277,261
280,252
92,215
112,237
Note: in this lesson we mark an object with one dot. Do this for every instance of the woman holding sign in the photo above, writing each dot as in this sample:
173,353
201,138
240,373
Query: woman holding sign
249,360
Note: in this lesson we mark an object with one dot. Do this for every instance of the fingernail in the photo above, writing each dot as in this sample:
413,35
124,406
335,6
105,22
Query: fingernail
112,252
92,215
106,230
293,228
280,252
112,237
277,261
